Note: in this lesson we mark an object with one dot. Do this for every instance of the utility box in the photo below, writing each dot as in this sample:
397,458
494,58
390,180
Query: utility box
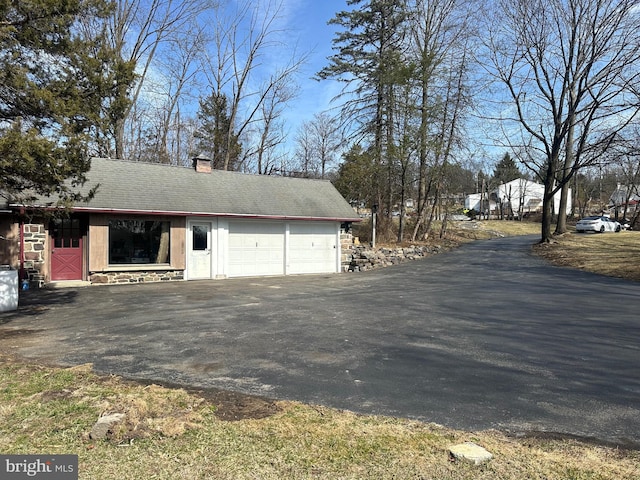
8,289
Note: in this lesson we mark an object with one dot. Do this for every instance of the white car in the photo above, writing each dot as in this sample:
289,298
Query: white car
597,224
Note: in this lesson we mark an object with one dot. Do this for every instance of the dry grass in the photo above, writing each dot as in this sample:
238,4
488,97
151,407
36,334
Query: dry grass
510,228
612,254
485,229
173,434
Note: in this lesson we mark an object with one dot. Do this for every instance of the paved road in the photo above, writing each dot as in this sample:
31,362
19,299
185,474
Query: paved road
485,336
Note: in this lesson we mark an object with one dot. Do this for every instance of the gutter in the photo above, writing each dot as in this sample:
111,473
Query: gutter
207,214
22,272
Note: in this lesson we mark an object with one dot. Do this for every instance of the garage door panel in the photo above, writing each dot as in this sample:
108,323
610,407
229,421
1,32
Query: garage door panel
256,248
313,248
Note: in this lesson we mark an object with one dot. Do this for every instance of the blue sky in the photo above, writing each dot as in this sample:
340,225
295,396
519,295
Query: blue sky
307,22
302,28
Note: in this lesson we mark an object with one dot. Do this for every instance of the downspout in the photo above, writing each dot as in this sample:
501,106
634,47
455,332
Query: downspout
21,240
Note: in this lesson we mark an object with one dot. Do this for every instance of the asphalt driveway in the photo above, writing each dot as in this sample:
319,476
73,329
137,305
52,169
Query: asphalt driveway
486,336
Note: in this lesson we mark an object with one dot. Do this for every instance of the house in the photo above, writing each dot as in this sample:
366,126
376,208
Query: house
153,222
515,198
624,205
476,201
624,196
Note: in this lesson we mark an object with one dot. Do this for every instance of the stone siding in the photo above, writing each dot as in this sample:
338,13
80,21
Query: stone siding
135,277
346,249
35,241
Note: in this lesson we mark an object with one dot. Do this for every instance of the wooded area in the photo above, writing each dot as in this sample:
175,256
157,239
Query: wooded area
550,85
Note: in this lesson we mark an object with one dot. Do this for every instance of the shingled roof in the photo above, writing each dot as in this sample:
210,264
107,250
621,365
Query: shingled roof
136,187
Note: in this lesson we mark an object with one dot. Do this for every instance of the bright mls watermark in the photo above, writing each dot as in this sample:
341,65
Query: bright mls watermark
49,467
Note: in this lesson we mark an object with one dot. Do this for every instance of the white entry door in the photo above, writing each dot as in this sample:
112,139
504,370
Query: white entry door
199,256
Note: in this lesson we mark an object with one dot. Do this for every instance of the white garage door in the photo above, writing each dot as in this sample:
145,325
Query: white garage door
256,248
313,247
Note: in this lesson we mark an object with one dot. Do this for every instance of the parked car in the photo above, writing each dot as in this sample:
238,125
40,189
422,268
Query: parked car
597,224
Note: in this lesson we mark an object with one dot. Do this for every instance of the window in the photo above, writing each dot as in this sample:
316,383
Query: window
200,237
139,241
66,233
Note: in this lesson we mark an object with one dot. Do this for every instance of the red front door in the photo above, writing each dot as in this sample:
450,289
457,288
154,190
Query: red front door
66,249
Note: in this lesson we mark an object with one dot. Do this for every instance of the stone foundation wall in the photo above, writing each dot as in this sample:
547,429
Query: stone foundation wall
136,277
35,238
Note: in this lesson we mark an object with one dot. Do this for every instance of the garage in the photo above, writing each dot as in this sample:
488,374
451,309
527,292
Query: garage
211,224
313,247
282,248
256,248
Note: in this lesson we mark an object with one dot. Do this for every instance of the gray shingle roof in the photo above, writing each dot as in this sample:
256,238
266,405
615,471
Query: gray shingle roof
147,187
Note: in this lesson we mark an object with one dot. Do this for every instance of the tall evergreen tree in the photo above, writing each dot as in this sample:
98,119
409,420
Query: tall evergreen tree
214,131
48,103
369,59
354,177
506,170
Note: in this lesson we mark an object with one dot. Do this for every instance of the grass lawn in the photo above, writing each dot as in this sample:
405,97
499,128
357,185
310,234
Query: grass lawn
176,434
466,231
612,254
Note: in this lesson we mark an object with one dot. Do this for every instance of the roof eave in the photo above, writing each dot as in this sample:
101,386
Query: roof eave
179,213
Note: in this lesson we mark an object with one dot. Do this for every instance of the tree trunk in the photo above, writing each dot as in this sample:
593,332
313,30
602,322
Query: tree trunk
423,187
561,226
119,138
163,248
547,203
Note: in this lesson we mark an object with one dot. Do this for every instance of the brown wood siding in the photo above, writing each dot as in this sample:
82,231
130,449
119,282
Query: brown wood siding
178,242
9,242
99,240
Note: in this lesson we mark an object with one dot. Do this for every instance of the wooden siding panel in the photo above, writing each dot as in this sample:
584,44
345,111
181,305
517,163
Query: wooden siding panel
99,240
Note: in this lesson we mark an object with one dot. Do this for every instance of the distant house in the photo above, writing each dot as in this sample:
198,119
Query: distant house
152,222
622,196
478,202
625,202
514,198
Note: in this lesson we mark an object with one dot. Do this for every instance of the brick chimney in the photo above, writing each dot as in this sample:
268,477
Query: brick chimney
202,164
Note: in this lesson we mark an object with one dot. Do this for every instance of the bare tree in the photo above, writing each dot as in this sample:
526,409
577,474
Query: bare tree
568,67
328,140
303,162
138,31
404,152
439,32
318,143
626,157
240,43
447,135
175,74
269,127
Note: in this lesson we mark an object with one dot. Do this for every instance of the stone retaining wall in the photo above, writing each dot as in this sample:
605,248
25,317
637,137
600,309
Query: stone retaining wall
363,257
